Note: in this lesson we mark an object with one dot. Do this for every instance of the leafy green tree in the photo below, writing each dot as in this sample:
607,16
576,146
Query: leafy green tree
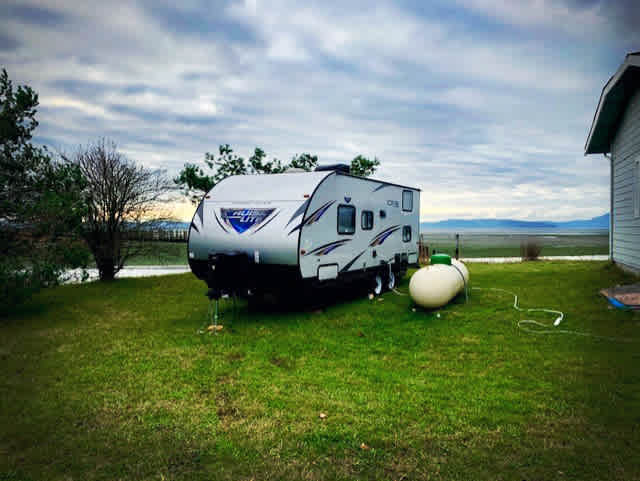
364,167
304,161
258,164
41,203
194,182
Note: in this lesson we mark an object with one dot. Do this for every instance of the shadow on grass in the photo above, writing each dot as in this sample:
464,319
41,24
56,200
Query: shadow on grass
307,301
29,309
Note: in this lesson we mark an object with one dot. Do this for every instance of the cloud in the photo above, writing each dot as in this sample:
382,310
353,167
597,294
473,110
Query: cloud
621,15
8,43
486,120
583,18
549,13
33,15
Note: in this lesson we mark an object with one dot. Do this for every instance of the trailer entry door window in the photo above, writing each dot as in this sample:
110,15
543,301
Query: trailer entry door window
407,200
346,219
406,233
367,220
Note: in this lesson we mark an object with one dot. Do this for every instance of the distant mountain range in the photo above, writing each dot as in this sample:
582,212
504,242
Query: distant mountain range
600,222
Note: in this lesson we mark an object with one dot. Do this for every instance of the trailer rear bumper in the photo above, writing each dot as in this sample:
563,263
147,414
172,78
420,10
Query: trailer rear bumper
236,273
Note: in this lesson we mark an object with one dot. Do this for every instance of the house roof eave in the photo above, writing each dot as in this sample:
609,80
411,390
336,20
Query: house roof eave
613,100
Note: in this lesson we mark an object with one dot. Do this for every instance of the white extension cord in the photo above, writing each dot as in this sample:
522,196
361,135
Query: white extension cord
524,322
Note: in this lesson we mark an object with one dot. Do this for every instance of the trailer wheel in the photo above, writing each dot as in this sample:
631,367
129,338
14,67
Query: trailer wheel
391,280
377,286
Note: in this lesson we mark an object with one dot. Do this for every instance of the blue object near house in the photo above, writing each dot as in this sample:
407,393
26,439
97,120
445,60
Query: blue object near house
617,304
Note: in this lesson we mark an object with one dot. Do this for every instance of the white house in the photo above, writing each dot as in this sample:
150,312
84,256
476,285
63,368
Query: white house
615,130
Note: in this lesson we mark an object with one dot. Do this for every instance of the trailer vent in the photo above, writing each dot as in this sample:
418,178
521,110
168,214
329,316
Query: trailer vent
344,168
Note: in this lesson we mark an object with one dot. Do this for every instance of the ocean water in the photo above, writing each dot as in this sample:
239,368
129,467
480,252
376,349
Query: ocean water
518,232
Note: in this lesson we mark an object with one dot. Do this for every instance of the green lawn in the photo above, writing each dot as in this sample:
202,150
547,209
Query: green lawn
112,381
161,253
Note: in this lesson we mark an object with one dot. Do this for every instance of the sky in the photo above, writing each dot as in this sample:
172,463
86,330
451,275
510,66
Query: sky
484,105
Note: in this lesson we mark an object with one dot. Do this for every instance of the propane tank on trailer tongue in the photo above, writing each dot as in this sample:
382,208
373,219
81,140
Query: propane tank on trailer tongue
436,284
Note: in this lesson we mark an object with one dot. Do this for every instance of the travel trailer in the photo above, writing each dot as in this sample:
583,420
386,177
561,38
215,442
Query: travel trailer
278,233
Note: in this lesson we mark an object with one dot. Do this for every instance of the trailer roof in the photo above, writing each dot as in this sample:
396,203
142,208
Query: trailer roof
267,187
274,187
379,181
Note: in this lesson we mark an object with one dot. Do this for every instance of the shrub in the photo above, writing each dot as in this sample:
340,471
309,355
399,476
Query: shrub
41,203
530,250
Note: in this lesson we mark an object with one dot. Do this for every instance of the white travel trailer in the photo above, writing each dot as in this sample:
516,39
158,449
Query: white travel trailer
278,232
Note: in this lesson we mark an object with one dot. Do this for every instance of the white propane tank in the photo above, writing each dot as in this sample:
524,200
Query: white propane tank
435,285
463,269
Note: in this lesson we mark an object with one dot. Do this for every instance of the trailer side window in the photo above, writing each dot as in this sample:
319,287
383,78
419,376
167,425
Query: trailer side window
346,219
407,200
406,233
367,220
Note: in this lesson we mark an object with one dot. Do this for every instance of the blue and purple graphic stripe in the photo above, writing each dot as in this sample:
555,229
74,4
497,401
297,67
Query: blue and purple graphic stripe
326,248
314,217
382,236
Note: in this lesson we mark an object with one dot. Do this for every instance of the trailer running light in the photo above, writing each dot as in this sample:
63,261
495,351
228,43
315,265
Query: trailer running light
303,252
306,196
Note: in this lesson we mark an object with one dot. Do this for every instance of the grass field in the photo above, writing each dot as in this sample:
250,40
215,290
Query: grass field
508,245
472,245
112,381
161,253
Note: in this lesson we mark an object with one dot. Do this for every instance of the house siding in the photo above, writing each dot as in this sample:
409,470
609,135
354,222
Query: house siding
625,150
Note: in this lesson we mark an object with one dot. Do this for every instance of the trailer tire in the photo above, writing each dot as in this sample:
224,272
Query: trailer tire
391,280
378,285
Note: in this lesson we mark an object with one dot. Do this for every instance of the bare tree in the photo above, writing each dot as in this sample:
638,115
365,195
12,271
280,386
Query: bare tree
121,197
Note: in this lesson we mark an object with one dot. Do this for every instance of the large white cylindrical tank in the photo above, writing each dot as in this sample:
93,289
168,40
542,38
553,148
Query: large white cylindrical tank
463,269
435,285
